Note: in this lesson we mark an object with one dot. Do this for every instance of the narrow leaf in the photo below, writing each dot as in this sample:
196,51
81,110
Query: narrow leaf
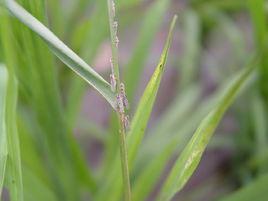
191,155
35,188
259,23
64,53
3,137
14,172
146,103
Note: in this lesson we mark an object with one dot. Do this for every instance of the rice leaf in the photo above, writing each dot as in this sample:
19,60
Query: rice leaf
14,173
35,189
192,153
64,53
156,150
3,135
257,9
259,118
256,190
142,115
173,118
259,23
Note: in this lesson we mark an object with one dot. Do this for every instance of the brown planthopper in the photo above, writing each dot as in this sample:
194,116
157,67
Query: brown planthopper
120,104
126,122
123,95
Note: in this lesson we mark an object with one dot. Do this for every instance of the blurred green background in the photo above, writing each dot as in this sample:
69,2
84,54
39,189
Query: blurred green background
68,132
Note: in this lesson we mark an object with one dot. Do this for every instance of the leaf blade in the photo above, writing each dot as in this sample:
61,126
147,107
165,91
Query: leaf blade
14,170
65,54
192,153
146,103
3,137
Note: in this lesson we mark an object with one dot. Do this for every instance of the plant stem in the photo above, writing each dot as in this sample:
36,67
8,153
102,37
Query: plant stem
124,159
120,113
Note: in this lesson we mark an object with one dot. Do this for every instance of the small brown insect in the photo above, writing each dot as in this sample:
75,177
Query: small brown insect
116,41
120,104
126,122
115,26
123,94
113,8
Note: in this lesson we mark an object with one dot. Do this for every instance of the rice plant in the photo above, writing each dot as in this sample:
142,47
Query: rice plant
145,134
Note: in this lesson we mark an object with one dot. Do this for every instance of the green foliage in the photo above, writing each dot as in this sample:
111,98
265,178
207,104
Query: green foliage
41,100
192,153
62,51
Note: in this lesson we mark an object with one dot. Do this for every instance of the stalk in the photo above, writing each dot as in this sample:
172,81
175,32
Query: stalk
124,161
121,100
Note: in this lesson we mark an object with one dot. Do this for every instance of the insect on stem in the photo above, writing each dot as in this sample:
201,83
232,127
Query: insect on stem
121,100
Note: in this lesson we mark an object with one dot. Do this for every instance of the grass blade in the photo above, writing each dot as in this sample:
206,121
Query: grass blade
256,190
3,137
14,172
191,155
145,106
39,90
259,21
62,51
35,189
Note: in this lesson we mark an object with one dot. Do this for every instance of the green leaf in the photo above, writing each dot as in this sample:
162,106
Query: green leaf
142,115
95,30
64,53
259,23
40,93
157,148
257,9
192,153
175,116
14,173
35,189
3,135
256,190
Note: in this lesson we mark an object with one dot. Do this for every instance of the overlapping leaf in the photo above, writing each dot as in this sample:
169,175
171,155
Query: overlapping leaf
62,51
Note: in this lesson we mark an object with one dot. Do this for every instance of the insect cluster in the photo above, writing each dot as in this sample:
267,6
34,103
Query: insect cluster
121,99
